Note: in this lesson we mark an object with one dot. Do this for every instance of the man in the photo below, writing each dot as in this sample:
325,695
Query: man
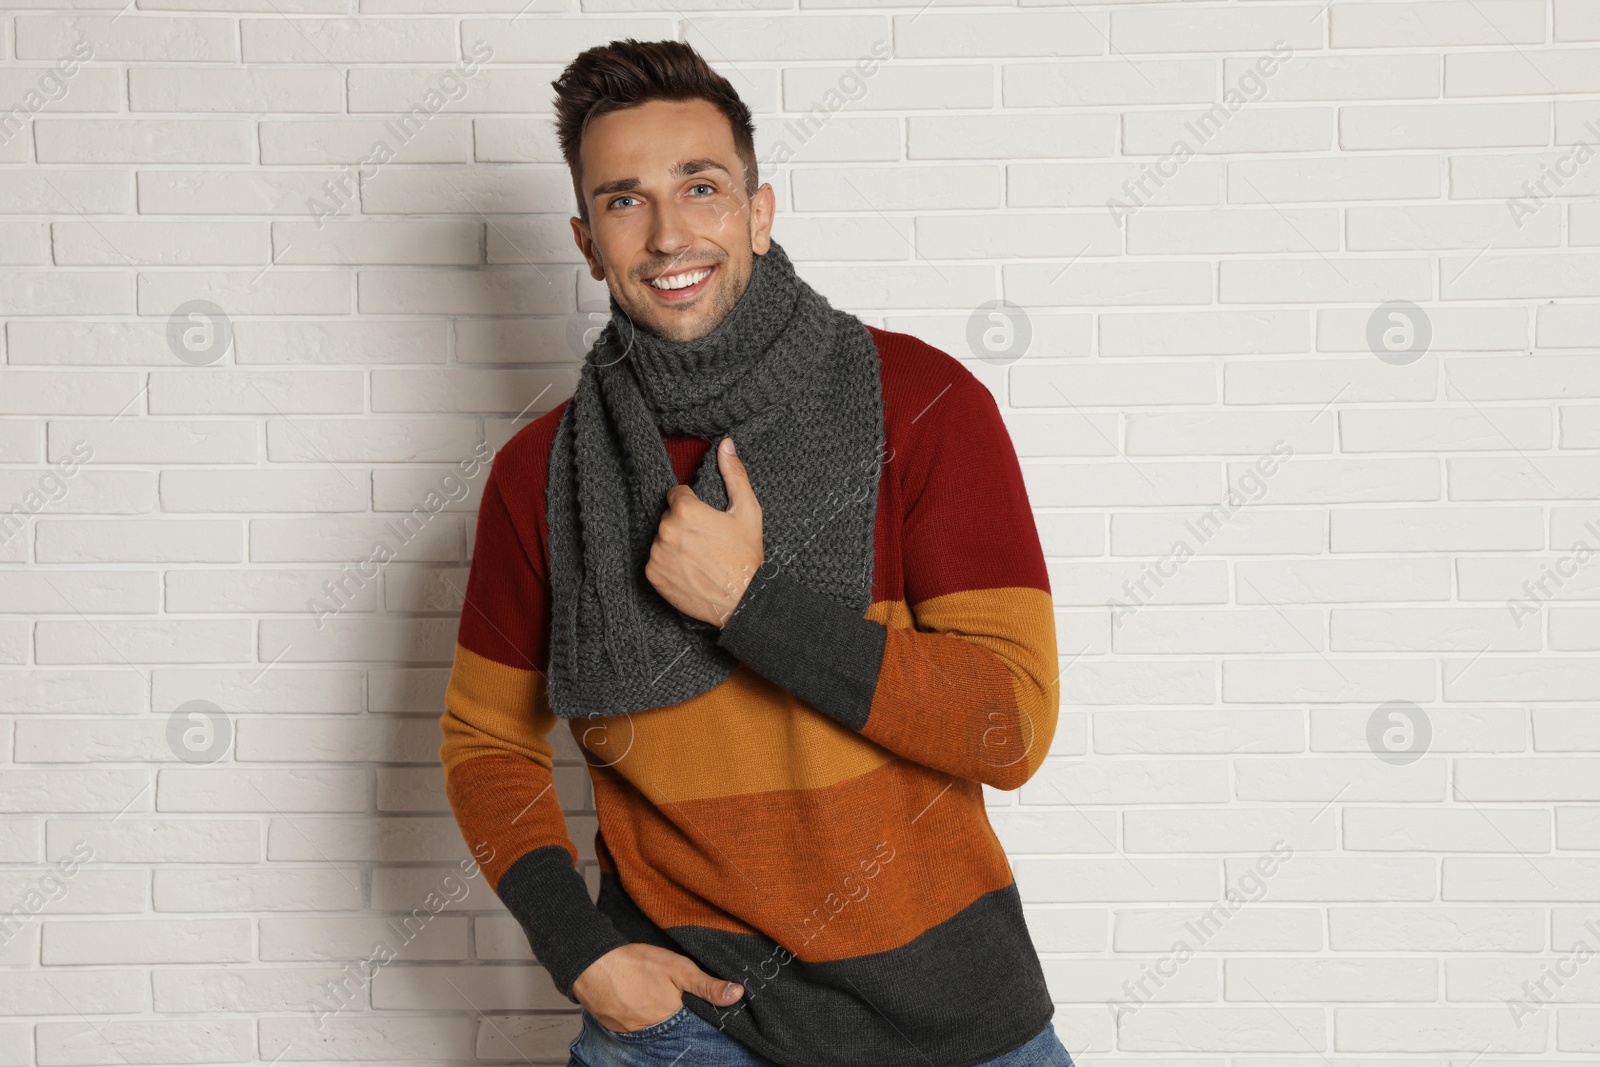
791,667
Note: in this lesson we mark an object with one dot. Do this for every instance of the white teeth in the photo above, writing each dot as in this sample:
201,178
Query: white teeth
681,281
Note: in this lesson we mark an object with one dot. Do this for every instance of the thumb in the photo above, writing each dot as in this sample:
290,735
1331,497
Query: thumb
741,494
718,991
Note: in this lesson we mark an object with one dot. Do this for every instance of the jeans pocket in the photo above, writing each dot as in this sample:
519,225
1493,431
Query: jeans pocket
654,1030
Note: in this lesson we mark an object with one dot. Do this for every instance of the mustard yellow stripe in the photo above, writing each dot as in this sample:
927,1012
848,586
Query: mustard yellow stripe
744,736
748,735
1017,624
490,708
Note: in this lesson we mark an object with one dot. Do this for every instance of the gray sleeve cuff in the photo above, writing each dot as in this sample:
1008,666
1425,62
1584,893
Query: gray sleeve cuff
822,651
549,898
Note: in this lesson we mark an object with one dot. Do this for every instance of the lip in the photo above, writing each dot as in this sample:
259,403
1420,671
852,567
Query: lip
678,296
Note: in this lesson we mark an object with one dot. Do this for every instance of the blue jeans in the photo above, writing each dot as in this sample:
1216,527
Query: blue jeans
683,1039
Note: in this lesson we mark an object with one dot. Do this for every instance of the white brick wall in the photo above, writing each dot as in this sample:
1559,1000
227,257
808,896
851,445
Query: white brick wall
1239,851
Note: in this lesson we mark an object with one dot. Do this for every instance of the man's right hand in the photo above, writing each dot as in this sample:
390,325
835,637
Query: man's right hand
638,985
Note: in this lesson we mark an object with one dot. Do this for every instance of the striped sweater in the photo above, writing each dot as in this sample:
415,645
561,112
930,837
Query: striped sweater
814,826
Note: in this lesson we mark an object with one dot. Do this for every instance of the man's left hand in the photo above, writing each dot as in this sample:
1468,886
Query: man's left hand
702,559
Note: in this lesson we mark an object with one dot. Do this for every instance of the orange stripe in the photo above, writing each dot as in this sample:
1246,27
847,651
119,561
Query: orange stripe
1011,702
794,865
498,762
505,809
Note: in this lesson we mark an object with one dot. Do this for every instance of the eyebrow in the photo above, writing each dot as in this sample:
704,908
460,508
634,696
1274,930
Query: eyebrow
681,169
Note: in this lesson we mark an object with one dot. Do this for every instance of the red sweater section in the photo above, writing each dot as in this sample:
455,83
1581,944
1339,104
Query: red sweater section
953,513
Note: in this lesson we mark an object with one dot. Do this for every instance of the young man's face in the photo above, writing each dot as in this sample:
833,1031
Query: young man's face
666,198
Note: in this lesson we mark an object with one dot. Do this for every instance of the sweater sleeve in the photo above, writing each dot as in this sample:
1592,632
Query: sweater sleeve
498,761
972,686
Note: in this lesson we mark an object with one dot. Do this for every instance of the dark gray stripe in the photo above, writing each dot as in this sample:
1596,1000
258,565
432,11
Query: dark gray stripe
550,900
963,992
824,652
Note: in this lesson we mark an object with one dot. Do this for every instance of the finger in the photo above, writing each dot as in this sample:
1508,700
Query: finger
677,494
706,987
741,494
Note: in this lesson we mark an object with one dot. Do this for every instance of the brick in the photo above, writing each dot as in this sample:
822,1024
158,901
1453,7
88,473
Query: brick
1306,76
1527,71
1279,181
156,442
967,85
218,492
353,141
30,89
68,393
1217,132
93,592
366,40
24,244
487,390
263,192
164,244
66,292
516,292
45,343
1245,29
353,242
437,90
1448,126
134,541
280,290
52,191
61,140
335,341
187,941
1435,24
143,39
255,392
370,440
243,89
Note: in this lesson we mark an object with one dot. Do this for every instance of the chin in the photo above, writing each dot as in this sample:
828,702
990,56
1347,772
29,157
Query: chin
686,323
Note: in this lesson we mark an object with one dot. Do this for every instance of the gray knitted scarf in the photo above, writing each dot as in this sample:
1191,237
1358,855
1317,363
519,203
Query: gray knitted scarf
794,381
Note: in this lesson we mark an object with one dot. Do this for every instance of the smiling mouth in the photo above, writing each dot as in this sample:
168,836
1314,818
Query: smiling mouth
680,281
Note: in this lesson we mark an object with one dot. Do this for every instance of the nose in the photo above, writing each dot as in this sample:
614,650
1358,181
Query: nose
670,235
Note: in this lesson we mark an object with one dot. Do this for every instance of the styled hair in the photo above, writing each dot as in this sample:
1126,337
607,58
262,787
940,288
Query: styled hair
627,73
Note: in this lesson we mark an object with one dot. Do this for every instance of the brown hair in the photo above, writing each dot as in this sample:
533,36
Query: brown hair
627,73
